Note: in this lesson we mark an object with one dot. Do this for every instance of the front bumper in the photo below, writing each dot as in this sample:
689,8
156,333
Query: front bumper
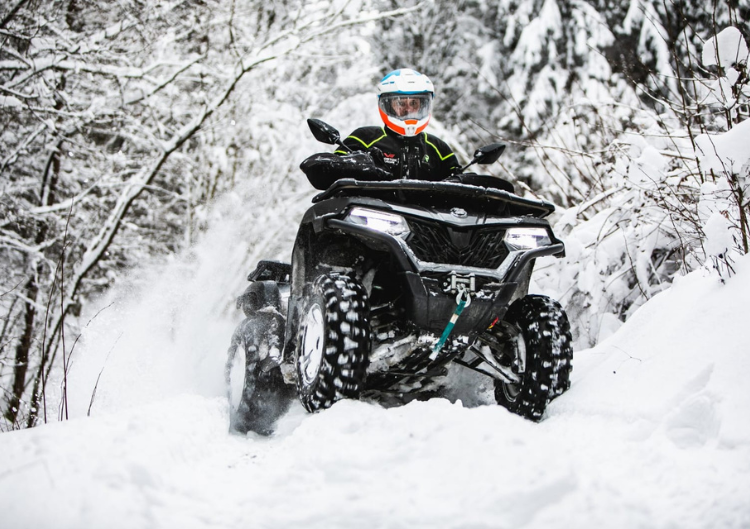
431,300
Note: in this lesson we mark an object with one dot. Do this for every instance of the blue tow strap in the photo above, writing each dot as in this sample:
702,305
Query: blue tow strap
463,300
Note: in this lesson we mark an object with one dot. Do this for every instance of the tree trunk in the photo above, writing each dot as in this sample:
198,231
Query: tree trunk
49,184
21,364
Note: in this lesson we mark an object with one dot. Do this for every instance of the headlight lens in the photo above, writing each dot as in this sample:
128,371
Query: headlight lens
389,223
527,238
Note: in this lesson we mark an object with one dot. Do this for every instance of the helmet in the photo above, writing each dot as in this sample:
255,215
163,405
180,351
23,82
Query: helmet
405,101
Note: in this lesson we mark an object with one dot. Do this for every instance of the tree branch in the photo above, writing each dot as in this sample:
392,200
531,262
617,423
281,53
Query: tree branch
10,14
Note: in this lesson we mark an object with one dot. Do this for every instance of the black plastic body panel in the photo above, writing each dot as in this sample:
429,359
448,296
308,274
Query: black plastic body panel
430,308
327,241
497,201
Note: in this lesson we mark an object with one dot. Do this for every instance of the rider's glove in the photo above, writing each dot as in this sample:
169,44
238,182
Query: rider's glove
377,157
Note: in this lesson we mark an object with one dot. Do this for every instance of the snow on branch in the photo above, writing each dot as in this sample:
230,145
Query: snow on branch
136,184
725,49
12,12
38,66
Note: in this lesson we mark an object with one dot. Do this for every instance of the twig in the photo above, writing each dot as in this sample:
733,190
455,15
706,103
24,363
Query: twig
96,385
64,402
13,10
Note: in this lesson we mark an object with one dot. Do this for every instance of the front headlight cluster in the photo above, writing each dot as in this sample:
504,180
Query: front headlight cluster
389,223
527,238
396,225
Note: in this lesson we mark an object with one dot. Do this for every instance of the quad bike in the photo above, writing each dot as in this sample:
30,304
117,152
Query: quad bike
392,281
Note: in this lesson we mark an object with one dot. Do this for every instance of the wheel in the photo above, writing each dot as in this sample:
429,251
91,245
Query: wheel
235,381
333,342
256,390
257,398
546,337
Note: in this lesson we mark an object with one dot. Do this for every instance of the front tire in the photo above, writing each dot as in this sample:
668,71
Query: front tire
333,342
545,330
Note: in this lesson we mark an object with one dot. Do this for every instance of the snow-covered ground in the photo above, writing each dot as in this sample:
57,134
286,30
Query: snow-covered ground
653,432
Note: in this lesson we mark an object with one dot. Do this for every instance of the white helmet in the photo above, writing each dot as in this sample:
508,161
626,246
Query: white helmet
405,101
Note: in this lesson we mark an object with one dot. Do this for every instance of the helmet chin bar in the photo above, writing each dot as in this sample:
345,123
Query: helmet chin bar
407,128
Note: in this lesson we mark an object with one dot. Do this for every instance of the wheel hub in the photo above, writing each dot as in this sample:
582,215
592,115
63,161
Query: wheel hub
511,391
313,343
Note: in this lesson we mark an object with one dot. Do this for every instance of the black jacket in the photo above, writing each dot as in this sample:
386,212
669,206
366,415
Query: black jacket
421,157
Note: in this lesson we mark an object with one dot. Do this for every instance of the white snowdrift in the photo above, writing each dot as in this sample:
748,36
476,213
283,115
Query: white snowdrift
653,433
725,153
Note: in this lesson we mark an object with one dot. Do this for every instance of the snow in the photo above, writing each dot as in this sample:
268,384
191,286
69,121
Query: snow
653,433
725,49
725,152
718,235
10,101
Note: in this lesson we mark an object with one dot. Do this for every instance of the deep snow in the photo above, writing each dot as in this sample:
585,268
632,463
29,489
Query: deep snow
653,432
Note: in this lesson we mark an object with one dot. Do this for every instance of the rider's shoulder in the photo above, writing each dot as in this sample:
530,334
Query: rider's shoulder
443,149
431,138
369,132
365,137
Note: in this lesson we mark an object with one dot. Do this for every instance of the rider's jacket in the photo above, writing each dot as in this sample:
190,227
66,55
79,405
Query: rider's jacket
421,157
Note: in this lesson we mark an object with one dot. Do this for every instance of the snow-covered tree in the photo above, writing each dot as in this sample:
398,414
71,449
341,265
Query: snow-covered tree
120,123
676,197
602,103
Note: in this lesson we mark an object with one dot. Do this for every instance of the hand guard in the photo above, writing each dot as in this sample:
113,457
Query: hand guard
323,169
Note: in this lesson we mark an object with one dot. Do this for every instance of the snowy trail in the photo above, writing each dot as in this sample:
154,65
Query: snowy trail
425,465
653,433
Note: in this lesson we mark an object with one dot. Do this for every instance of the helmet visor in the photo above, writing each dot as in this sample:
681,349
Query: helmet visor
406,106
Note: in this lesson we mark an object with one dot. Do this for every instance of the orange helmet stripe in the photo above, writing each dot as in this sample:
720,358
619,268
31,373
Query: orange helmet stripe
401,130
391,125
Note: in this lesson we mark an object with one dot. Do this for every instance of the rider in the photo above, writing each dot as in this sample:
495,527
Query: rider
405,150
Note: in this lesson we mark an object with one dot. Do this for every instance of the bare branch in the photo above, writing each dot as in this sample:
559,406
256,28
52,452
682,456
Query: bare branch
10,14
14,155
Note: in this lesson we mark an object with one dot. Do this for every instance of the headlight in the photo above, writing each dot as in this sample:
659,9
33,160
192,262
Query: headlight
389,223
527,238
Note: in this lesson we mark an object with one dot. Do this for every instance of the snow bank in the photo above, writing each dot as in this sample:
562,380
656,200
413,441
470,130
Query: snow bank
677,365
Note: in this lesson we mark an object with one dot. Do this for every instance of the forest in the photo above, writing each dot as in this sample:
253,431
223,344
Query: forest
122,123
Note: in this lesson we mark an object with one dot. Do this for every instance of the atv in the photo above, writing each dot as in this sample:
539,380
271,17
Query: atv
389,283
